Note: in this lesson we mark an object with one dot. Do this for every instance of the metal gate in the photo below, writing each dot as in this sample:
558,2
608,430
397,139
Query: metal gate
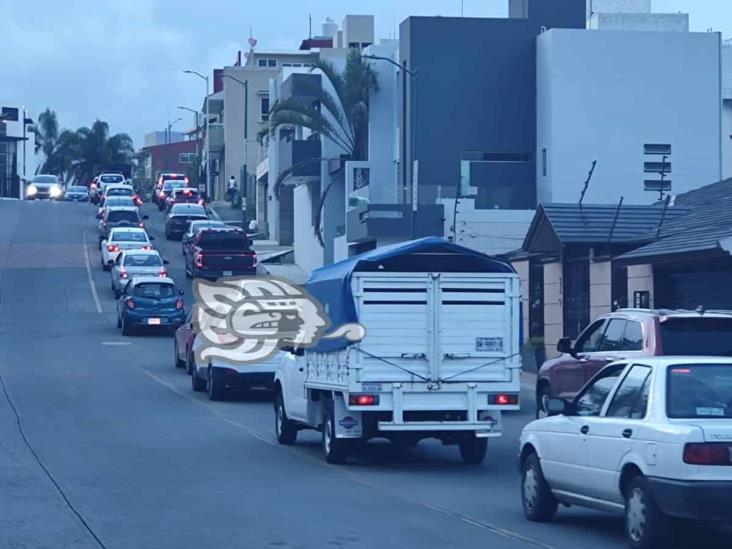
576,296
710,287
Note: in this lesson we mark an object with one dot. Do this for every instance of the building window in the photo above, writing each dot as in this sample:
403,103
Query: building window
187,158
655,148
543,162
354,45
264,109
266,63
657,167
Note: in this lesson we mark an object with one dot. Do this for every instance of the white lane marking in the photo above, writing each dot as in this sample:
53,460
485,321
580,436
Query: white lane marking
93,287
116,343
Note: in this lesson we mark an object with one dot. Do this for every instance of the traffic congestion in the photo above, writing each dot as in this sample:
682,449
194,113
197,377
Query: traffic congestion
631,445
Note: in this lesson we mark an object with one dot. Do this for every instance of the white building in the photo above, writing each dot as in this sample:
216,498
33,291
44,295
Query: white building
608,95
17,148
632,15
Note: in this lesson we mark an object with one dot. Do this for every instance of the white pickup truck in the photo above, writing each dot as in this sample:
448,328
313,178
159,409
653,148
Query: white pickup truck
440,357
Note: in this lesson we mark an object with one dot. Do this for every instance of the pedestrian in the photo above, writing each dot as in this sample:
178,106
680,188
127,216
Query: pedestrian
231,191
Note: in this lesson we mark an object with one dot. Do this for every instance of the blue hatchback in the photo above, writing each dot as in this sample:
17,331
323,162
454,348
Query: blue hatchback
150,302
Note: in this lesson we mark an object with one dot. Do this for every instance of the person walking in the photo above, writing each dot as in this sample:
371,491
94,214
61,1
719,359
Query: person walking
232,190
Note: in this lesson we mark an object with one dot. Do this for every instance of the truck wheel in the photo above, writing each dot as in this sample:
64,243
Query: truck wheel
473,450
189,363
334,450
646,526
285,429
538,501
216,390
197,384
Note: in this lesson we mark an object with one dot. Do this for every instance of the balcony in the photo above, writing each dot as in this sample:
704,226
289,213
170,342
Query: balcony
394,221
305,161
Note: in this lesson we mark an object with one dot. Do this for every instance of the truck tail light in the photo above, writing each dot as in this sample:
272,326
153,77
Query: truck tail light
130,304
363,400
199,260
179,304
503,399
122,273
708,454
163,273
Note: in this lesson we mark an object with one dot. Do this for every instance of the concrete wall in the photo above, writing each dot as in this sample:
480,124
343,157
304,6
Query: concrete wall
604,94
727,108
522,269
600,288
308,252
619,6
640,279
553,306
673,22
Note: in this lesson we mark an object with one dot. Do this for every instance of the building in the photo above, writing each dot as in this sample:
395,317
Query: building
727,108
632,15
178,157
162,138
17,149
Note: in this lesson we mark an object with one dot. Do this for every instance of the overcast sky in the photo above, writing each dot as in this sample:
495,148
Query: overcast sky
121,60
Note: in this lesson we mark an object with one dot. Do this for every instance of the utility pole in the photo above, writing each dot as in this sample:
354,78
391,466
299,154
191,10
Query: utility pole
209,190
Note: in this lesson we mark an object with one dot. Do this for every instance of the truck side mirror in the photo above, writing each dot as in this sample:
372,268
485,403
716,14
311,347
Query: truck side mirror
565,346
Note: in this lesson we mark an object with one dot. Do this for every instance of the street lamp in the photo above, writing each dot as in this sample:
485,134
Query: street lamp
169,133
413,74
198,157
209,192
245,183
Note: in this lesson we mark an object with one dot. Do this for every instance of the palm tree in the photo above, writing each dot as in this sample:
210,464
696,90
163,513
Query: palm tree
46,138
341,116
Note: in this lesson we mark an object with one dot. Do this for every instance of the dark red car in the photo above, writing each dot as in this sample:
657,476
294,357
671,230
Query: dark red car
628,333
184,195
185,335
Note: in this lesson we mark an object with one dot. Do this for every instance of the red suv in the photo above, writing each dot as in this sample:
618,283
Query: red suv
628,333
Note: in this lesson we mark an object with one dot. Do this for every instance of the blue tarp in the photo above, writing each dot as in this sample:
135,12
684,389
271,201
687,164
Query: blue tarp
331,285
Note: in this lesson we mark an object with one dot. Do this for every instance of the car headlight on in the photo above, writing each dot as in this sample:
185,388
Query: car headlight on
55,191
31,190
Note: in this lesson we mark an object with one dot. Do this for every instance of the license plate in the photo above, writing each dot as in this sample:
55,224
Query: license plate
489,344
153,321
228,273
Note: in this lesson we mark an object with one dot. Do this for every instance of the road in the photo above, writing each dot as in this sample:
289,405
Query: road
121,453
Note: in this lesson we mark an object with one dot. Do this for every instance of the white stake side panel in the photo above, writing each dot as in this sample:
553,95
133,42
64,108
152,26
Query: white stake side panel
438,326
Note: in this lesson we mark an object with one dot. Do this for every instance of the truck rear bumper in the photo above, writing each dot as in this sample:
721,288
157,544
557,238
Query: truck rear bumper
480,429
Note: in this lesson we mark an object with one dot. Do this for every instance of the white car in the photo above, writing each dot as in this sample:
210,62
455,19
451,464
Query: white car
123,238
650,438
219,377
131,263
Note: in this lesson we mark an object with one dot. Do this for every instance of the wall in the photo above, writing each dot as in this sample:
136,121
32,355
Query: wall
553,306
619,6
308,252
600,99
675,22
522,270
640,279
727,109
166,158
600,288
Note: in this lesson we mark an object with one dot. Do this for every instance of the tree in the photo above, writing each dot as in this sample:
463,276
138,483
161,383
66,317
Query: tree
46,139
341,116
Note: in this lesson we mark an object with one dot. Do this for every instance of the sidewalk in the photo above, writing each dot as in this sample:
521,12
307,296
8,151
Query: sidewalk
222,211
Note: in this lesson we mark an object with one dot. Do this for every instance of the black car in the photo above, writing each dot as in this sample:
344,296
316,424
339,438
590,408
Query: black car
119,217
77,193
179,217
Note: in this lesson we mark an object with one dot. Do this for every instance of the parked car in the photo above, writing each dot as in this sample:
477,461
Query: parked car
166,189
217,252
121,239
194,227
119,217
179,217
630,333
76,193
136,262
44,186
185,335
184,195
648,437
150,302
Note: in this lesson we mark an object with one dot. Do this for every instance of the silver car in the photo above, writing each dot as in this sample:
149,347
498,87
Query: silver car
131,263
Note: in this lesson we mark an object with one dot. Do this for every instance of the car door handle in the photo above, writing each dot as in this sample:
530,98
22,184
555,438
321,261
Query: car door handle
628,433
585,429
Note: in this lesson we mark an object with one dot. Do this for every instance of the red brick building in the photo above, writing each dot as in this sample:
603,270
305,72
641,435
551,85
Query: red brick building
177,157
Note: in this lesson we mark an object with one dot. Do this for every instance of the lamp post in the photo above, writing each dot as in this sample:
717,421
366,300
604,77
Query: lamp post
169,133
245,182
209,193
414,75
195,121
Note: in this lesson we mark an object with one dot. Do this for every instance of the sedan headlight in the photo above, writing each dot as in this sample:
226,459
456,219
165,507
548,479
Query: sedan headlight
55,191
31,190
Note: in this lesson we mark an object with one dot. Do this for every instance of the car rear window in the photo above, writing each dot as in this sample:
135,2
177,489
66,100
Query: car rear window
124,215
75,189
697,336
111,178
170,185
224,240
142,260
699,391
119,192
155,290
188,209
119,201
128,236
186,193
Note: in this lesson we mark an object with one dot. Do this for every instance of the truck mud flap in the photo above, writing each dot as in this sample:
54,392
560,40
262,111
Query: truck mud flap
348,424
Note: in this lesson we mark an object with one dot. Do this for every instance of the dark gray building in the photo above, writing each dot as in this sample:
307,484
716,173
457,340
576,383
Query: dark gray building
471,108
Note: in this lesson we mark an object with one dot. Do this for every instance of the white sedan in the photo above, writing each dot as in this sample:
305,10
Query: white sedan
132,263
123,238
650,438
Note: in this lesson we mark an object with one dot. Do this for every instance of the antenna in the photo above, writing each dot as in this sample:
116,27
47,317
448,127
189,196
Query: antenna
310,25
612,227
587,182
462,8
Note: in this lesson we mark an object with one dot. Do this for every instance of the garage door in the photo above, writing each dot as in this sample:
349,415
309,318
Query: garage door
711,288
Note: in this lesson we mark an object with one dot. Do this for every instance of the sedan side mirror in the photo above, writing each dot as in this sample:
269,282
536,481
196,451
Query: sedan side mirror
151,238
557,407
146,217
99,216
166,262
181,292
565,346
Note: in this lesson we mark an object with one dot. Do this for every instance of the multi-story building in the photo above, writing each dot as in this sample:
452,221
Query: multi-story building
178,157
17,149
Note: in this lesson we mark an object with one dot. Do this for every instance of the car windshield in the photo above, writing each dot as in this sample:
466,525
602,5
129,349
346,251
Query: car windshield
129,236
188,209
120,192
76,189
143,260
699,391
154,290
122,215
45,179
697,336
111,178
119,201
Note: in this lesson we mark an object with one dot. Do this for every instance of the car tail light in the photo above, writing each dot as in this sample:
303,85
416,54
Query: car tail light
146,247
185,179
200,201
199,260
363,400
162,273
123,274
708,454
179,304
503,399
142,225
254,260
112,248
161,194
130,304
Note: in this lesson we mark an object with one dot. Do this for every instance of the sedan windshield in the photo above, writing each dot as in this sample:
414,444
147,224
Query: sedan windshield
154,290
76,189
699,391
46,179
129,236
143,260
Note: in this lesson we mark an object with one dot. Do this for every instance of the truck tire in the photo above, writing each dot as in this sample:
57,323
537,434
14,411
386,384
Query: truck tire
285,428
197,384
334,450
472,450
216,390
539,503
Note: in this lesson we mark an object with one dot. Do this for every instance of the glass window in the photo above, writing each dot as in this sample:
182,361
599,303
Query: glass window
129,236
264,108
119,192
589,340
625,401
641,405
591,399
697,336
154,290
115,216
633,338
142,260
613,340
271,62
699,391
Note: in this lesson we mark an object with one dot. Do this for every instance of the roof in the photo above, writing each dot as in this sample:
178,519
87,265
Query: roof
707,223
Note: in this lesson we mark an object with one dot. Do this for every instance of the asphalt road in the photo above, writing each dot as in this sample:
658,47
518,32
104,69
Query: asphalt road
125,455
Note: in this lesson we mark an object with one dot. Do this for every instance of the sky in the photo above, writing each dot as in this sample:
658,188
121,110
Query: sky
122,60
